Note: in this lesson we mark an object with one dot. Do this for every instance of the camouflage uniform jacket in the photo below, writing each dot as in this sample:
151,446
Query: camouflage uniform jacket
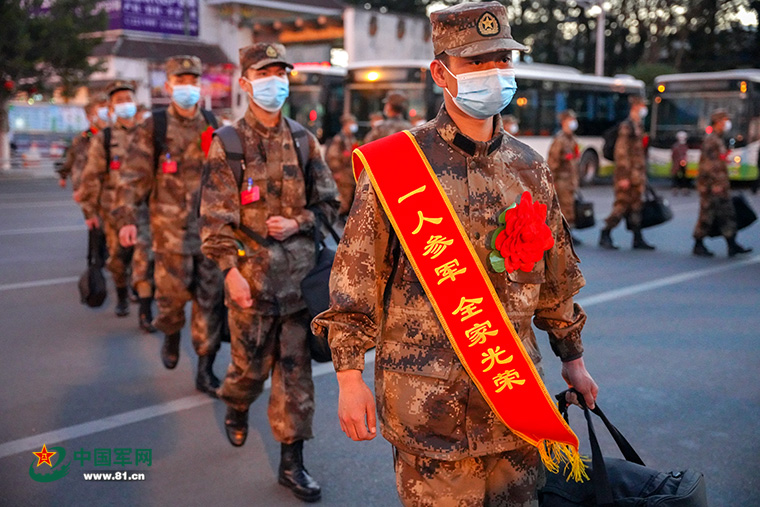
713,169
172,197
563,157
387,127
339,160
275,269
427,403
100,177
76,158
630,154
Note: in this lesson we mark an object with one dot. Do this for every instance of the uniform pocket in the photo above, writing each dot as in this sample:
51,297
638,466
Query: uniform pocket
535,276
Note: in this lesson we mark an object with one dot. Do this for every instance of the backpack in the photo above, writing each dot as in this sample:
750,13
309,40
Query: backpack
92,283
160,122
107,146
610,138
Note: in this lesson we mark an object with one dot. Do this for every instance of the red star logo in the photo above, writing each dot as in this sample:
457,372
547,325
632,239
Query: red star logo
44,456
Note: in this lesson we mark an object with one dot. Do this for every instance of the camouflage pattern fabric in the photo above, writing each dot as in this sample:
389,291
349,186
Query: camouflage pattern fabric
427,403
76,158
387,127
182,278
630,164
262,344
510,479
142,259
714,189
119,258
563,162
339,160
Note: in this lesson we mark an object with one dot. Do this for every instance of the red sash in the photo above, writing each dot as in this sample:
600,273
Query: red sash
464,298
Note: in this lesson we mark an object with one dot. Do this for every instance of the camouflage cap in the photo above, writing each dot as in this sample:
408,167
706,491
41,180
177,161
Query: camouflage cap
637,99
118,85
396,98
183,64
261,54
347,118
568,113
96,99
471,29
717,115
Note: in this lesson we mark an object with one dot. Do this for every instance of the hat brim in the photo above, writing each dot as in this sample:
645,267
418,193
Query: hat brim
182,72
483,47
270,61
111,92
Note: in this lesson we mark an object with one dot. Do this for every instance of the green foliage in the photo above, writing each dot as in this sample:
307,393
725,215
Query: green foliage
648,71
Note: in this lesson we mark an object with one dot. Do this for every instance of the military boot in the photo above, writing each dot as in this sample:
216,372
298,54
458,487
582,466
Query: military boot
205,380
122,303
170,350
145,317
639,243
735,248
236,426
294,476
700,250
605,240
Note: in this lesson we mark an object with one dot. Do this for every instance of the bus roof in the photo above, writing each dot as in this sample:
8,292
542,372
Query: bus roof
390,63
321,69
748,74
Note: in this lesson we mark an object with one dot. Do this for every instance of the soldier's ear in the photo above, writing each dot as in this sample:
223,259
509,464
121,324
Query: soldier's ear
438,73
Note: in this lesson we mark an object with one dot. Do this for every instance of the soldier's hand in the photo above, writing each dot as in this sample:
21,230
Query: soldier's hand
128,235
77,196
575,374
356,406
281,228
62,182
624,184
239,290
92,223
717,189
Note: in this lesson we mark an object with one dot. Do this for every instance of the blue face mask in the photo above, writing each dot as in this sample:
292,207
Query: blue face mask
269,93
186,96
125,110
484,93
103,114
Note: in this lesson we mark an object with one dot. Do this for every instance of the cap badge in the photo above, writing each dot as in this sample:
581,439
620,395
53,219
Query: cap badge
271,52
488,25
187,63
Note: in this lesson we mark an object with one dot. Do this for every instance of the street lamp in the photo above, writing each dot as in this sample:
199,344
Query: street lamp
598,9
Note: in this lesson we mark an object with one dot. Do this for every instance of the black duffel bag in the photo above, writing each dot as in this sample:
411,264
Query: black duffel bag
584,212
92,283
315,287
618,482
655,210
745,215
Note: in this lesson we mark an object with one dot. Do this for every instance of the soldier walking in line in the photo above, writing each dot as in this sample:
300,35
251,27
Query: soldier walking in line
163,165
563,162
678,162
395,108
258,225
339,160
630,177
714,187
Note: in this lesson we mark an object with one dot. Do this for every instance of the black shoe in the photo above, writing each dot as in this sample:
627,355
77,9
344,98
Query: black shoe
294,476
640,244
205,380
236,426
145,318
133,297
605,240
700,250
122,303
170,351
735,248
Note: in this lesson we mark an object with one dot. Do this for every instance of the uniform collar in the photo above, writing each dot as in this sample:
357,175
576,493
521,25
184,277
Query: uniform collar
450,133
259,127
173,111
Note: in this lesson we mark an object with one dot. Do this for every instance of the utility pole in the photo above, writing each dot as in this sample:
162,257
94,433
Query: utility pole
595,5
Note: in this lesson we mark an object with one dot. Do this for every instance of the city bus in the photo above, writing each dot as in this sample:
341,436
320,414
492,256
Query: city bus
543,91
685,102
316,99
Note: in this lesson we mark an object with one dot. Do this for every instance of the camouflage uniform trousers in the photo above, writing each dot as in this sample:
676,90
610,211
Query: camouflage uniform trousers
565,186
508,479
272,343
119,258
628,203
719,210
181,278
142,259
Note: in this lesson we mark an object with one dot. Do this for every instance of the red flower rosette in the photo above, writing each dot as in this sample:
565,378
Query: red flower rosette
523,237
206,137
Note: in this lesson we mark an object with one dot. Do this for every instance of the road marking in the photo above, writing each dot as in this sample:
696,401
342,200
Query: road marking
42,230
143,414
38,283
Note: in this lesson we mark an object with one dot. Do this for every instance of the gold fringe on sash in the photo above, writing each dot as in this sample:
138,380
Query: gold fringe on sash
555,453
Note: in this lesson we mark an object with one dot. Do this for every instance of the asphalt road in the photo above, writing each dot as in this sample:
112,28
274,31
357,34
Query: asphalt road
672,340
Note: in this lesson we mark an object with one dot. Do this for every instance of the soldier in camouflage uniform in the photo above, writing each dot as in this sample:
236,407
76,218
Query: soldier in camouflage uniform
394,109
76,154
339,160
170,181
449,446
630,177
260,231
99,180
714,187
563,162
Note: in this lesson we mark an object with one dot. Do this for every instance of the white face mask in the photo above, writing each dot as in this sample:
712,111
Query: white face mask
573,125
643,112
514,128
727,126
269,93
484,93
354,128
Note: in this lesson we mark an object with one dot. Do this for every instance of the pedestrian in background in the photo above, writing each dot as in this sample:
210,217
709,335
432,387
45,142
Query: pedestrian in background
163,165
510,124
563,162
259,230
339,160
679,161
630,177
395,109
715,206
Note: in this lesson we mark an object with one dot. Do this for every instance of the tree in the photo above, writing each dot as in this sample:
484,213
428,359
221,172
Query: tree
42,47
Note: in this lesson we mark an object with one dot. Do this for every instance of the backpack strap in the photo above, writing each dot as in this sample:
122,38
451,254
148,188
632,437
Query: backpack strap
233,150
107,146
210,118
160,120
301,141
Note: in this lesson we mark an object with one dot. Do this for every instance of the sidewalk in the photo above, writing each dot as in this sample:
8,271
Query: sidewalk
44,169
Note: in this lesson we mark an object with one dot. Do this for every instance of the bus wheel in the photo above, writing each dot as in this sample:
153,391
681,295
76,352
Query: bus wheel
588,167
